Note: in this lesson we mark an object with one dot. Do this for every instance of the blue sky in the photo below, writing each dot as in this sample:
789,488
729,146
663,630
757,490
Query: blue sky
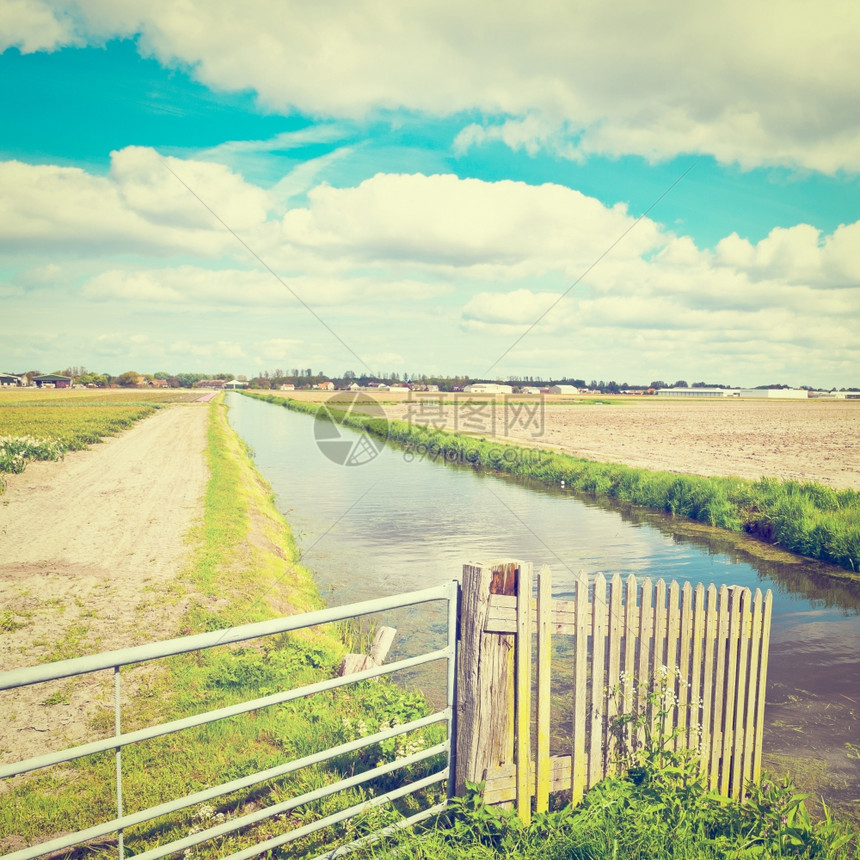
621,191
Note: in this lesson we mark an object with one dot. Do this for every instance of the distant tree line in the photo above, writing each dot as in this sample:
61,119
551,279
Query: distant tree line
306,378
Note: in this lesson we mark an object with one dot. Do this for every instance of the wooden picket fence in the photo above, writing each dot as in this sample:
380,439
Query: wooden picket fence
704,650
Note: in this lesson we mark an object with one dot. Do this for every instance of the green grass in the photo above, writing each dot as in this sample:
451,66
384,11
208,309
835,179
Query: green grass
669,816
244,569
806,518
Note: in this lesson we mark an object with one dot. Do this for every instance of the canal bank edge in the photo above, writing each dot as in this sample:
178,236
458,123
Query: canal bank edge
804,518
247,565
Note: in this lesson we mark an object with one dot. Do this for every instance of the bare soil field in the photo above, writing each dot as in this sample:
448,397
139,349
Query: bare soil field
90,551
802,441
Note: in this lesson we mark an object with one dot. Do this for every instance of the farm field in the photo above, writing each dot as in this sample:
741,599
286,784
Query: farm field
791,440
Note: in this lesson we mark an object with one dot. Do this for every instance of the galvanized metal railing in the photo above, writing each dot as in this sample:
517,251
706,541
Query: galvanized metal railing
448,592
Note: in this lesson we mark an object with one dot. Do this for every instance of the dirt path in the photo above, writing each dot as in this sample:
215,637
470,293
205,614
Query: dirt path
90,549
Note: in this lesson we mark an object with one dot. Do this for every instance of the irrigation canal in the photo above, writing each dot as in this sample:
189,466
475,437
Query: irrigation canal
401,522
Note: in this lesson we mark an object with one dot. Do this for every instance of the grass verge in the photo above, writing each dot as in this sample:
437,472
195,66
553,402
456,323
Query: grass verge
806,518
245,568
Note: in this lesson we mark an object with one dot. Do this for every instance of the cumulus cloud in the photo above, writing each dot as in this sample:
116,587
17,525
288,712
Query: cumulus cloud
32,25
442,219
733,79
799,254
137,207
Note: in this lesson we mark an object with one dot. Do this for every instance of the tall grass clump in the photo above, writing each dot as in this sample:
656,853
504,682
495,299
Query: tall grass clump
806,518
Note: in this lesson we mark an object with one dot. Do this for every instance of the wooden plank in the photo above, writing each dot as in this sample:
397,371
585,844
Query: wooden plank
579,767
382,644
694,735
752,684
615,631
544,655
711,618
730,690
659,647
762,683
483,683
596,770
719,703
631,636
523,692
646,635
743,694
502,616
673,625
500,783
685,635
673,631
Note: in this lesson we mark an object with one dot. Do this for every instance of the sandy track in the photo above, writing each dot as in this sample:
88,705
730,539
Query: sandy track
88,550
804,441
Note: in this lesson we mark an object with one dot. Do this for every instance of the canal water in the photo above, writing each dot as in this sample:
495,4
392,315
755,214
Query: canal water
400,522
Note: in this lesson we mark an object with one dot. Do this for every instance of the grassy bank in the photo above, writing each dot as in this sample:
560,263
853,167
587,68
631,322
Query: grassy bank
806,518
245,568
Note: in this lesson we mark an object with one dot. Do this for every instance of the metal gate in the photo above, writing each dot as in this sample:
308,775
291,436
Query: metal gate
116,659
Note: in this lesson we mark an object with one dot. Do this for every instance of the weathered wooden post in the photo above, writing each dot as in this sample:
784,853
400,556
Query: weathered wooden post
485,675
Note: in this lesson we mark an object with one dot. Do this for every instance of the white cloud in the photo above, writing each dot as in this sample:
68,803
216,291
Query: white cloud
138,207
734,79
532,134
31,25
187,194
210,288
516,309
447,221
798,255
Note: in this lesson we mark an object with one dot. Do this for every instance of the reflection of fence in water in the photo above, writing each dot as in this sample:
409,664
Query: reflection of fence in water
709,645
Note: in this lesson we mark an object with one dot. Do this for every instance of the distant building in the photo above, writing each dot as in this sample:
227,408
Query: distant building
7,379
697,392
488,388
563,389
776,393
326,386
234,384
53,380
